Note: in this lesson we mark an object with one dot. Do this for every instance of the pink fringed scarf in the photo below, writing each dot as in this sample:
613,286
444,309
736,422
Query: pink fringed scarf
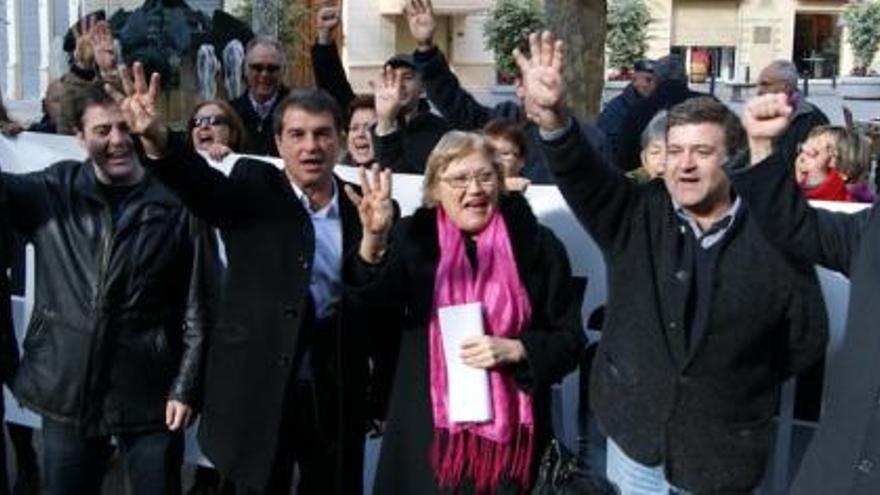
491,451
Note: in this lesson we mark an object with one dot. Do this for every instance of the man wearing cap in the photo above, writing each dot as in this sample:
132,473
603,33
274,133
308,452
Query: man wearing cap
406,131
641,86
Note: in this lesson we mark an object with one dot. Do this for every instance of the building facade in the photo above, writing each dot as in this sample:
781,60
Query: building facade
376,29
743,36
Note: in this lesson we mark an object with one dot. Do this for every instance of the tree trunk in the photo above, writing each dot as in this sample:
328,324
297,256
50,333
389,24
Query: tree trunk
264,17
581,25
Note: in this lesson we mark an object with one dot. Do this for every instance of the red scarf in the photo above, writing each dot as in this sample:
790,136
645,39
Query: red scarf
501,448
831,189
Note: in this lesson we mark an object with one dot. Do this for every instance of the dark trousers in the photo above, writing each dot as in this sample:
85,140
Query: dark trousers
73,463
302,443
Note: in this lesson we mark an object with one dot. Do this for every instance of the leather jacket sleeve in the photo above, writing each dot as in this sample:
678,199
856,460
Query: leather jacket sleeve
198,318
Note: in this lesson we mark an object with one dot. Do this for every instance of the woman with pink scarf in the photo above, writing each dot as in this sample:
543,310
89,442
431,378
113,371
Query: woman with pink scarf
471,242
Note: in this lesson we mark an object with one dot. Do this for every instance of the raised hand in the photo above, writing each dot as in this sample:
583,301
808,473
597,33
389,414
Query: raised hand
764,118
103,46
84,51
542,80
325,22
420,16
376,211
389,99
140,106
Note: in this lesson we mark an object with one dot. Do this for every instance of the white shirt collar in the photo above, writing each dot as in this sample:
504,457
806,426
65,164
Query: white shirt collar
263,109
330,210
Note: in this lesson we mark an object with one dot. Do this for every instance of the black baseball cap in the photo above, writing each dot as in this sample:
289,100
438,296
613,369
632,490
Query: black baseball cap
401,60
644,65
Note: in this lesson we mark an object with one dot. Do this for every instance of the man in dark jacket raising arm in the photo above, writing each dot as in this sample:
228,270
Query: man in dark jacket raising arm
461,110
286,371
696,341
114,347
844,457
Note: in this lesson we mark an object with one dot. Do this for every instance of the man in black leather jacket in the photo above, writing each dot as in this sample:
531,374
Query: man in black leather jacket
114,347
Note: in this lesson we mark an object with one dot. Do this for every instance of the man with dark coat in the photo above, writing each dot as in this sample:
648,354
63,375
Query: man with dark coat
844,456
685,381
406,131
264,68
114,346
8,344
781,77
287,371
461,110
672,89
613,114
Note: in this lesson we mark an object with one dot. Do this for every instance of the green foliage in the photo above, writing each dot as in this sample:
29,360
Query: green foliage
627,38
508,27
289,14
862,20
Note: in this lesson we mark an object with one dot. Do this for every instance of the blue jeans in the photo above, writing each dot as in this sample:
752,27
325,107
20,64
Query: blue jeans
73,463
633,478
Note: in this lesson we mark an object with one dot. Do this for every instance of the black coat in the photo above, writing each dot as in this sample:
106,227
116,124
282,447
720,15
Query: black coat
255,350
806,117
629,137
844,456
330,76
704,409
406,149
613,115
404,285
8,344
261,135
462,111
120,309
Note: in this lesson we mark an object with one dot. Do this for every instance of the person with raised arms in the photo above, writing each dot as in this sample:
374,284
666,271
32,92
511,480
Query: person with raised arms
696,340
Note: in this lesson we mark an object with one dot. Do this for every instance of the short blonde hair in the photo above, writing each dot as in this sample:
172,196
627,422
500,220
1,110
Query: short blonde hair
851,150
455,145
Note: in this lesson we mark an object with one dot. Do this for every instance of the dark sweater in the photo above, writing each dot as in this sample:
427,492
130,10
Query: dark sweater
702,410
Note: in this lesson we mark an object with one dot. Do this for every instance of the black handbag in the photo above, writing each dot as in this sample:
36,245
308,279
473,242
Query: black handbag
560,474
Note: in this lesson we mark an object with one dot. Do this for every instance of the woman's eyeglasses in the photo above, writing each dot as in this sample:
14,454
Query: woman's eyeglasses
209,120
485,178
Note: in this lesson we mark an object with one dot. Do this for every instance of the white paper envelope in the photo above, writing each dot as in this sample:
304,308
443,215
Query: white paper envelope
468,388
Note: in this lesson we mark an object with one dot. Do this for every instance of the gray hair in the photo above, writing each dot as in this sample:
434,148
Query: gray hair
656,129
786,71
265,41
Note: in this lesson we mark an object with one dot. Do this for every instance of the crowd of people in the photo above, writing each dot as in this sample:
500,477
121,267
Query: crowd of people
319,317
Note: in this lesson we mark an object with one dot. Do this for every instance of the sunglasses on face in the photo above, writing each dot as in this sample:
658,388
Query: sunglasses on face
209,120
270,68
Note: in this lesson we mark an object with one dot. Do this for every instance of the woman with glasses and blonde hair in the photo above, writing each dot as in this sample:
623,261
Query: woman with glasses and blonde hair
470,242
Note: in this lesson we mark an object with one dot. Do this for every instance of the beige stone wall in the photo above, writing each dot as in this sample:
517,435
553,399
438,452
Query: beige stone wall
762,30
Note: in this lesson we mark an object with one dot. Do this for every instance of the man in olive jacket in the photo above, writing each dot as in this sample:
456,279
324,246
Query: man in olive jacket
844,456
705,318
114,347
